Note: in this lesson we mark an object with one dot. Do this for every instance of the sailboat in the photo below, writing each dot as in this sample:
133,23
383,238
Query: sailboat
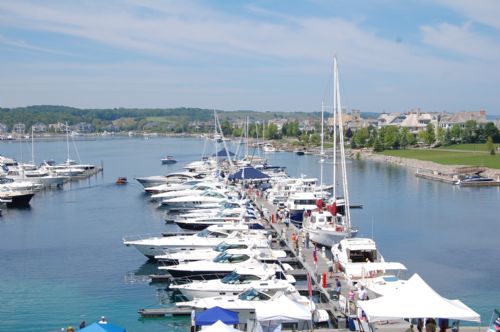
328,226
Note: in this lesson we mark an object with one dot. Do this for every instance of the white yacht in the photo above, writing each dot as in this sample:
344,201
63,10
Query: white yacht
207,199
268,147
194,190
165,187
243,217
359,259
269,280
15,197
155,180
300,202
326,229
221,265
207,238
247,300
203,254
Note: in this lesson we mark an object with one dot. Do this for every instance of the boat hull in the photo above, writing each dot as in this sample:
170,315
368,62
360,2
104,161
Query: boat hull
19,200
328,238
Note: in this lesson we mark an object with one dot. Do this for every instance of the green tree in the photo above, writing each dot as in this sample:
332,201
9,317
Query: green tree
377,145
490,130
272,131
430,135
456,133
360,137
440,135
469,134
447,137
404,138
490,146
391,137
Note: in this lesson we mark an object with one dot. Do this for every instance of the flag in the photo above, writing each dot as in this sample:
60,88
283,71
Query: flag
309,285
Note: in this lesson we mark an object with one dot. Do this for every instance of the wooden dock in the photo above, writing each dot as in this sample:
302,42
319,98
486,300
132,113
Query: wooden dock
436,176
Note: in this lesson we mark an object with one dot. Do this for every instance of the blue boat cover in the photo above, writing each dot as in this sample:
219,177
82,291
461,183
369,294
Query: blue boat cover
212,315
97,327
223,153
248,173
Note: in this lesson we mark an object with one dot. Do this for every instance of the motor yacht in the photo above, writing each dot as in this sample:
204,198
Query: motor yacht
165,187
194,190
243,217
270,280
206,199
358,258
203,254
220,266
247,300
207,238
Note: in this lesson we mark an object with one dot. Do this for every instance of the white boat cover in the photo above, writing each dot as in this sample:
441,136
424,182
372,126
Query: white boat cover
416,299
282,309
219,326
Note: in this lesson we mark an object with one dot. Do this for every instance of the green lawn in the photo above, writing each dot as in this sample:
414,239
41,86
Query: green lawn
463,156
466,147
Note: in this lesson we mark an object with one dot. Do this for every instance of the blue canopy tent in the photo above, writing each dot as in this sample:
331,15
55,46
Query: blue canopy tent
248,173
103,327
212,315
223,154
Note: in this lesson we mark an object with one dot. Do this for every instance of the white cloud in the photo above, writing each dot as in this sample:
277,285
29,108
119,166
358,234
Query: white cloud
486,12
462,40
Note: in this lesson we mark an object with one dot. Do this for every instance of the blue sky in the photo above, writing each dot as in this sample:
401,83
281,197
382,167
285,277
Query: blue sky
264,55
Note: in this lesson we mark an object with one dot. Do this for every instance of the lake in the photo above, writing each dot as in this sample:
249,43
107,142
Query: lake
63,260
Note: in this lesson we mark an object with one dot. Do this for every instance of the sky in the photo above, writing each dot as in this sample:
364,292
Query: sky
262,55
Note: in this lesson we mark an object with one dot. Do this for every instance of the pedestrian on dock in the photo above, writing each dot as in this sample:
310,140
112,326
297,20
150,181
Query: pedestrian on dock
420,325
430,325
338,286
297,243
315,258
362,293
307,239
294,240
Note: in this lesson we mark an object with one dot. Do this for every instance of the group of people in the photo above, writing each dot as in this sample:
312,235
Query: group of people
430,325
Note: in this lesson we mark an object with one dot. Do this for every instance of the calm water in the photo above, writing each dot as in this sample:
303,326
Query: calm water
62,260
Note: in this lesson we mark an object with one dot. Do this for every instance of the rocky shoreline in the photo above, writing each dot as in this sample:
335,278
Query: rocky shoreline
420,165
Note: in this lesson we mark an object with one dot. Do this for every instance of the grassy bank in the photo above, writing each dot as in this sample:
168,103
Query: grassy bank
466,154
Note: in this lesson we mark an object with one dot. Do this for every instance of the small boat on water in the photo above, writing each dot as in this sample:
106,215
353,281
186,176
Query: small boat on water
473,178
299,152
121,180
168,160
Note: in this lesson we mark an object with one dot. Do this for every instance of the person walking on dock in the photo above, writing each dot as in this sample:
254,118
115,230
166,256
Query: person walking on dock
307,240
315,258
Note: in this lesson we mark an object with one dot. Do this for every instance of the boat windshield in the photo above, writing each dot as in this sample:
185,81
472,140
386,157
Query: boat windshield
235,278
208,233
253,295
230,258
223,246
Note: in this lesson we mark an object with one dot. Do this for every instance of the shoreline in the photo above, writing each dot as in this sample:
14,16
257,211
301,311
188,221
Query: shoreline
417,164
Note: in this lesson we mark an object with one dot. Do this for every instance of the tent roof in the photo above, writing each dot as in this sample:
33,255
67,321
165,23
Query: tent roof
97,327
282,309
219,326
212,315
248,173
416,299
223,153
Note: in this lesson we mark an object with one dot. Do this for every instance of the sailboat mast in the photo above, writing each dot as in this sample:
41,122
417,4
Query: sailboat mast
335,117
67,142
345,186
322,159
32,145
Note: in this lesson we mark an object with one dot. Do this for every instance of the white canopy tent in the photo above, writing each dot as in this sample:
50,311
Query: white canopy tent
416,299
282,309
219,326
271,314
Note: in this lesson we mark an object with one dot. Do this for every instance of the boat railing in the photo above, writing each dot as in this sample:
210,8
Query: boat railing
196,278
150,235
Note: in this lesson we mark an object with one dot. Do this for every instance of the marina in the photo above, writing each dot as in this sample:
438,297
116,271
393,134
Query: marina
116,281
